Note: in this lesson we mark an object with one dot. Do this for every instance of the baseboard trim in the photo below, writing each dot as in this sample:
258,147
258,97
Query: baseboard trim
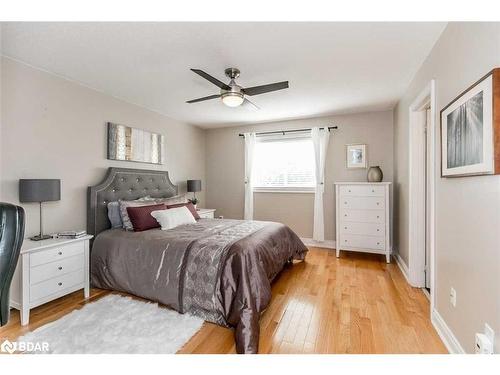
402,266
328,244
446,334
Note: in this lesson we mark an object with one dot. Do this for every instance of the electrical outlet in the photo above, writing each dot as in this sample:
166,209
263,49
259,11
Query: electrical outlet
453,297
485,342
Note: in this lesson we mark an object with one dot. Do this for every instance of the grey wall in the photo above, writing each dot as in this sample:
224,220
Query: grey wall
54,128
468,208
225,162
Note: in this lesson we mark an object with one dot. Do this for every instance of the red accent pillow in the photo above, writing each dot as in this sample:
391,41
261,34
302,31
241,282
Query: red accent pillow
141,218
190,207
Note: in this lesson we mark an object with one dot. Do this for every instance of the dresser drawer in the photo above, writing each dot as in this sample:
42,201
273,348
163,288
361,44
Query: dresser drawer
56,268
362,191
48,287
56,253
362,216
369,229
360,203
363,242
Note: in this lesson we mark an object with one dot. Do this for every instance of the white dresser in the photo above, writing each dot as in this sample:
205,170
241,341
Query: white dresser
47,270
363,217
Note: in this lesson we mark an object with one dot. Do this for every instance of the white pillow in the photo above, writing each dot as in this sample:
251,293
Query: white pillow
173,217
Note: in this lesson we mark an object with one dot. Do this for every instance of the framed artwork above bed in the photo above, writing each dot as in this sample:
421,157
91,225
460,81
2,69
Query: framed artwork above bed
131,144
470,130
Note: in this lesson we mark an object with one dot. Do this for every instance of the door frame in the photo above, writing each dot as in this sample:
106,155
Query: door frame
417,196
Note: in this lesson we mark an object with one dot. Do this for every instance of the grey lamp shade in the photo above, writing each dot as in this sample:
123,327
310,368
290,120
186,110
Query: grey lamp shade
39,190
193,186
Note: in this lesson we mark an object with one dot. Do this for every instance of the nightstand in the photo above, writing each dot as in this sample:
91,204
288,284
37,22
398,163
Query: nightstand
206,213
47,270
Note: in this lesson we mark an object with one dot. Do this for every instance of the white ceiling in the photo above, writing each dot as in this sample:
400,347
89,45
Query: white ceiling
332,67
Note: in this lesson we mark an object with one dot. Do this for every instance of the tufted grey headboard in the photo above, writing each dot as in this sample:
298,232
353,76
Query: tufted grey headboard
126,184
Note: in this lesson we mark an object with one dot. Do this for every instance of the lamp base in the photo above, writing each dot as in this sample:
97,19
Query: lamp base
40,237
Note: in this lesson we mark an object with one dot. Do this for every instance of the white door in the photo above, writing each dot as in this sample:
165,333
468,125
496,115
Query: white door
427,201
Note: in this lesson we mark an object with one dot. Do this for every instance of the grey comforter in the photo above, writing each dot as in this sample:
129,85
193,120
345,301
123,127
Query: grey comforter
219,270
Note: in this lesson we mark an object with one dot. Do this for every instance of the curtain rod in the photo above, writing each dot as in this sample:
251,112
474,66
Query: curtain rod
289,131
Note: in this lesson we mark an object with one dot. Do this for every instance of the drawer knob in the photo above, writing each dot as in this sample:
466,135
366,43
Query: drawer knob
345,227
345,202
345,240
378,230
345,215
378,203
373,191
59,268
59,284
60,252
349,191
378,217
378,243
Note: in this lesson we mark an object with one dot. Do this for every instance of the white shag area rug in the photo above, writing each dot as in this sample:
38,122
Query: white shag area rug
118,325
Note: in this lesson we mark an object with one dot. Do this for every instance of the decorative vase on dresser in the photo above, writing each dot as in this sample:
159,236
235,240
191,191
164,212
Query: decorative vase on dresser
363,217
375,174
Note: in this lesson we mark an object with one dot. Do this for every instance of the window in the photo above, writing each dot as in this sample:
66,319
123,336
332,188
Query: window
284,164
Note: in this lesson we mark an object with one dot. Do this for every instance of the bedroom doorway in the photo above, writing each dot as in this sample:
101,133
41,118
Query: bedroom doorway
422,134
426,157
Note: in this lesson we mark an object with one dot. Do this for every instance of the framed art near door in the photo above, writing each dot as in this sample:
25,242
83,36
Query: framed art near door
356,156
470,130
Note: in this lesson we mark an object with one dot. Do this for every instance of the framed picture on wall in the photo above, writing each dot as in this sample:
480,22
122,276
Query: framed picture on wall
131,144
356,156
470,130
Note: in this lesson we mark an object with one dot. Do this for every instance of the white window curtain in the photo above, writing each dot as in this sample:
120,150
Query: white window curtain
320,138
249,151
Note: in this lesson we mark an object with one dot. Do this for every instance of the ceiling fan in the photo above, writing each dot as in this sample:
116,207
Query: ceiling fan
232,94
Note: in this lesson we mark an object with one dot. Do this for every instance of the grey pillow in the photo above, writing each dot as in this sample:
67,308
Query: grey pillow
114,214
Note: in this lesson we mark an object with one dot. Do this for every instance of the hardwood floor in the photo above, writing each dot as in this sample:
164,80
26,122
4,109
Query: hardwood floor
355,304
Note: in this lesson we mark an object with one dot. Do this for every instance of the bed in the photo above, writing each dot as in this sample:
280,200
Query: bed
218,269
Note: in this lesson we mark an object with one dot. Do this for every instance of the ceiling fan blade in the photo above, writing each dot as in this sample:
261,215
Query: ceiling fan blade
204,98
256,90
214,80
248,104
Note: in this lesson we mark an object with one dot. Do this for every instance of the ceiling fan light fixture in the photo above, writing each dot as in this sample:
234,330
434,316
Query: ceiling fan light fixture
232,99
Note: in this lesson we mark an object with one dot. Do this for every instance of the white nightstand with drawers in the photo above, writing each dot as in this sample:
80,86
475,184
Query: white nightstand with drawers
47,270
363,217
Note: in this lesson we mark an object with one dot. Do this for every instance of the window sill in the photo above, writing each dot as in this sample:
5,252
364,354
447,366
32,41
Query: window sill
286,191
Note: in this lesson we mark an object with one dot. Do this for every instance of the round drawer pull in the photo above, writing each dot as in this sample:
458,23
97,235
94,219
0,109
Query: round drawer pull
378,230
345,215
60,253
345,240
373,191
60,284
349,191
345,227
345,202
59,268
378,217
378,243
378,203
